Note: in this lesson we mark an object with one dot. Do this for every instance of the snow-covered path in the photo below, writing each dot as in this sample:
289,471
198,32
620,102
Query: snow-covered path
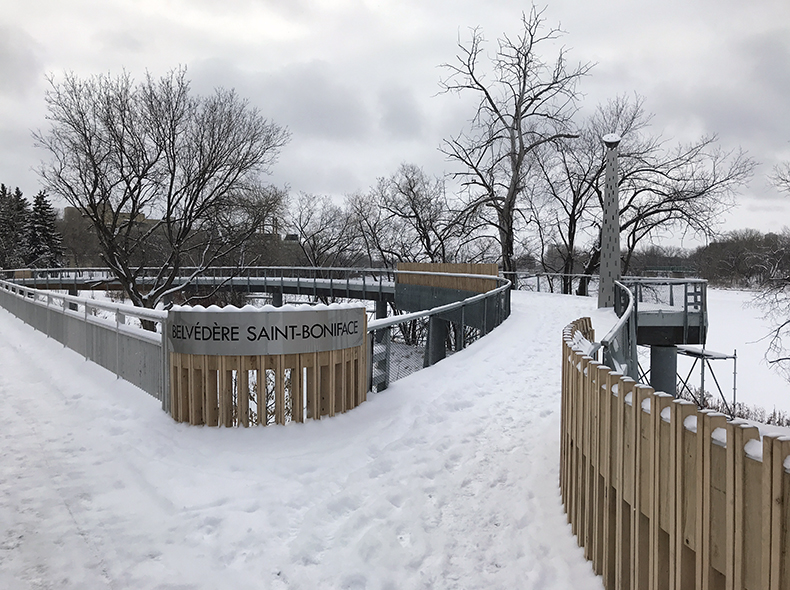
446,480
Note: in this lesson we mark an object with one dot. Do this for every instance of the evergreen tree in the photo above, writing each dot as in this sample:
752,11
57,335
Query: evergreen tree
44,242
14,217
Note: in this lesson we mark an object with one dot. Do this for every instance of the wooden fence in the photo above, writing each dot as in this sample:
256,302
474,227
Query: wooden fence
461,283
662,495
250,390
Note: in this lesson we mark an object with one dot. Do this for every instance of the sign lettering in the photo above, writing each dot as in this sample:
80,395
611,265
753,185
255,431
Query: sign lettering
265,332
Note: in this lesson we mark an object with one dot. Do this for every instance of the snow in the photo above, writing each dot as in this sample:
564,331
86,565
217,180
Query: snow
735,324
448,479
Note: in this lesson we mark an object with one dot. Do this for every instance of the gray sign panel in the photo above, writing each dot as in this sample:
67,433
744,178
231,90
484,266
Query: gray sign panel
267,332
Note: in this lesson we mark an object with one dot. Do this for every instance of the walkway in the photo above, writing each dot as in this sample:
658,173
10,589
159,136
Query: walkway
446,480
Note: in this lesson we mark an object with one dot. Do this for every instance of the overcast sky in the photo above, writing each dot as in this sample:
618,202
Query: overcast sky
356,81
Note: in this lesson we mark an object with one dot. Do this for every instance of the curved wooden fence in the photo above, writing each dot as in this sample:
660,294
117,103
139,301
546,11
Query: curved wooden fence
266,389
662,495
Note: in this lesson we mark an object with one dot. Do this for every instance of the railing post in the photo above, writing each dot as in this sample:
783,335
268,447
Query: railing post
437,334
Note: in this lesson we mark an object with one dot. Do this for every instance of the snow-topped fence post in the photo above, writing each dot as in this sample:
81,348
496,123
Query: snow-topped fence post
242,367
663,495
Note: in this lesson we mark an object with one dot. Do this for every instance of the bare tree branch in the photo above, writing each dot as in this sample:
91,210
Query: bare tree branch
524,103
167,178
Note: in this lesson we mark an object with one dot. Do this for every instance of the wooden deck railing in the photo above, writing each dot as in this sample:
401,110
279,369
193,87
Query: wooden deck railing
662,495
271,389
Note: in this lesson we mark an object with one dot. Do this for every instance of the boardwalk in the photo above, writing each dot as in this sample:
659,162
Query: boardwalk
446,480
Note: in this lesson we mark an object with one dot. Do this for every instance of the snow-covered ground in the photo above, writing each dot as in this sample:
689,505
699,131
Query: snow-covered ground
735,324
446,480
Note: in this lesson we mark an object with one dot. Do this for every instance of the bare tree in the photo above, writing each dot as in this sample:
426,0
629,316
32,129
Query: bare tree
781,177
774,296
524,102
428,225
662,188
408,217
166,178
328,233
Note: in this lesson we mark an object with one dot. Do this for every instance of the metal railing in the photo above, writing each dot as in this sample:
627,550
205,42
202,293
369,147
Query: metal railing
398,345
619,344
108,334
331,282
402,344
580,284
680,296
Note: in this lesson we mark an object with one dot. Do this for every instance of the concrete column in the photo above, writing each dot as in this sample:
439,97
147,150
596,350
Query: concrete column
610,231
664,369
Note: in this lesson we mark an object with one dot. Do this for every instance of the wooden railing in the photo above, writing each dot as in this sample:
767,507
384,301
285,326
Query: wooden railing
271,389
662,495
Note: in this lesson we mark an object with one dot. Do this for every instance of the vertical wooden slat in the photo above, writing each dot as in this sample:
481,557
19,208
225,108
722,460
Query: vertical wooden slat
780,449
184,388
682,573
564,376
279,390
600,457
246,365
643,490
292,362
729,557
623,516
338,376
228,364
362,369
260,391
314,387
196,364
744,529
784,517
587,498
211,389
348,378
659,556
326,402
609,450
174,385
710,422
768,514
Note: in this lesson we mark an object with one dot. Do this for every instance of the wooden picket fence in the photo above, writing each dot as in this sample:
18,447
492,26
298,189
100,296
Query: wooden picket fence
261,390
662,495
436,274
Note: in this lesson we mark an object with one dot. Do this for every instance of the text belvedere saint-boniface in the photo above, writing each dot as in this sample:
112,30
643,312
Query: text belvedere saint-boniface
265,332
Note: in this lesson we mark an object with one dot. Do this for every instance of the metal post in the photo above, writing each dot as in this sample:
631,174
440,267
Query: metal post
381,313
734,376
387,358
664,368
610,231
437,334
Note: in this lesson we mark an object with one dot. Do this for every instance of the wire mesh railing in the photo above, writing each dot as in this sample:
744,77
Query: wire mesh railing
402,344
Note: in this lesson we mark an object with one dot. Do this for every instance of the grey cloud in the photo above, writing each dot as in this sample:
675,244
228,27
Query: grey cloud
119,41
20,68
309,98
312,101
742,96
401,116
